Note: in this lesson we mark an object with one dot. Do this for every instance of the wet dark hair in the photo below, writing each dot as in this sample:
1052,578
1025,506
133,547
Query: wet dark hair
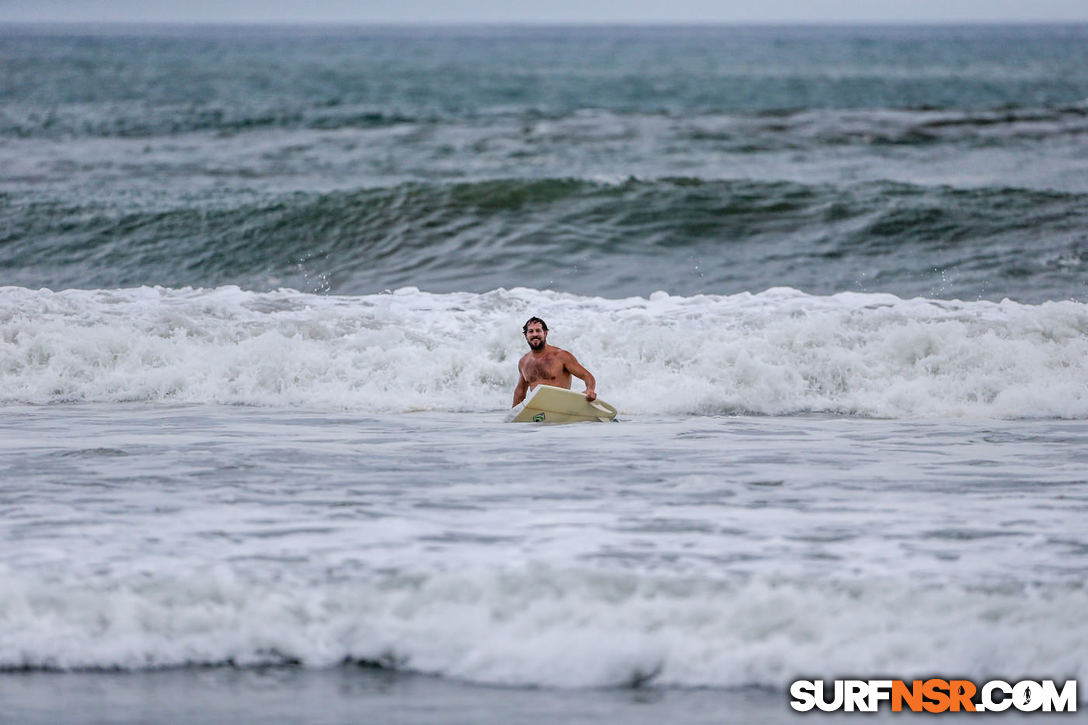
531,320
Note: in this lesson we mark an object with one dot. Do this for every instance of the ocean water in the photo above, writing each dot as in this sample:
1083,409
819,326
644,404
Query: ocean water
261,295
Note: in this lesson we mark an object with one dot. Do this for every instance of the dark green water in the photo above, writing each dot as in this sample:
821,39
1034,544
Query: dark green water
940,162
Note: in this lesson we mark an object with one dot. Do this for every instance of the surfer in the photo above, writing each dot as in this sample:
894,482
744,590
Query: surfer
547,364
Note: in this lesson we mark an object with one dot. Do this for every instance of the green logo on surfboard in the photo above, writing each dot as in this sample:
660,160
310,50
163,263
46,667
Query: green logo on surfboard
538,418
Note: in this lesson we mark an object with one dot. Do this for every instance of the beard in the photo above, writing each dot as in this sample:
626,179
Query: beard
536,344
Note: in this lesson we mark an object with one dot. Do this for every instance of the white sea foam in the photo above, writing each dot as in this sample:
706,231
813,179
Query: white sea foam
777,352
546,626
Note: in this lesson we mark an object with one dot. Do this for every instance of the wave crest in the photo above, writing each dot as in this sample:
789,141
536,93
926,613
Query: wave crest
682,234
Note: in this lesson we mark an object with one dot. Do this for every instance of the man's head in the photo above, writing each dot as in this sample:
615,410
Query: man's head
536,332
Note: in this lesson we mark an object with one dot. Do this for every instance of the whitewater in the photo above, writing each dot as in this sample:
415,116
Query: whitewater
772,353
850,483
672,551
261,301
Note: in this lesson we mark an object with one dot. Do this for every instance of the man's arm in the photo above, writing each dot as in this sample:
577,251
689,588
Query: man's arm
521,389
575,368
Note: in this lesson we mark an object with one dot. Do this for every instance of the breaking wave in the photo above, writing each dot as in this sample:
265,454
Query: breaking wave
777,352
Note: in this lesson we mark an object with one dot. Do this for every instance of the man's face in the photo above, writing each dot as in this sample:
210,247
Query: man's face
536,336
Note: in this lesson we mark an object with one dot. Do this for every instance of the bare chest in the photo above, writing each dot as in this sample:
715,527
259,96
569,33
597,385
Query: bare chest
541,368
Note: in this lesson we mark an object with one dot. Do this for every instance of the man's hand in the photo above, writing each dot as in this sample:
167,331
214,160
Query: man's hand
591,394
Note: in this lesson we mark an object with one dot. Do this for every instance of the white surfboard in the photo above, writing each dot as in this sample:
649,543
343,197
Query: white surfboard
549,404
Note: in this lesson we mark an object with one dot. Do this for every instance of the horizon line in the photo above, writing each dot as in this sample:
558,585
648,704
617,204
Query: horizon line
300,24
